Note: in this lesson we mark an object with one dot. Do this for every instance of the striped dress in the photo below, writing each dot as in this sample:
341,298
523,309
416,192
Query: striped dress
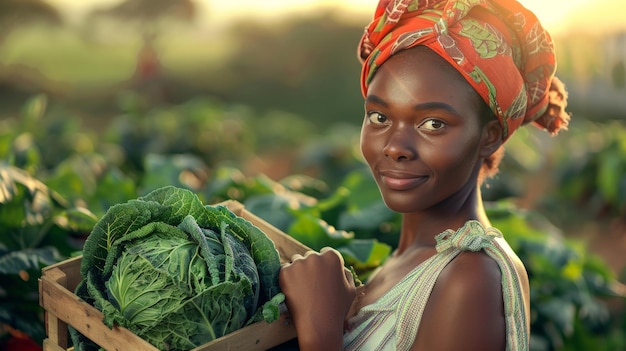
391,323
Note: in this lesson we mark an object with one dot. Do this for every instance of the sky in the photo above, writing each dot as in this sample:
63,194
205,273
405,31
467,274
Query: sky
557,16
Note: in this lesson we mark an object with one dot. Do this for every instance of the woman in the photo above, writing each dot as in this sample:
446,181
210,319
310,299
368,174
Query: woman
445,84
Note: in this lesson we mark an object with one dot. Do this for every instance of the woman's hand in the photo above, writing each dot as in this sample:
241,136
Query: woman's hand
319,292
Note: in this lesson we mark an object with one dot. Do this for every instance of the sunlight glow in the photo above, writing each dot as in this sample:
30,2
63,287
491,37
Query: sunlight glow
556,15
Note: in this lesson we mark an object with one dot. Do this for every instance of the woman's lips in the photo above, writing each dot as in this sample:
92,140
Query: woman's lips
401,182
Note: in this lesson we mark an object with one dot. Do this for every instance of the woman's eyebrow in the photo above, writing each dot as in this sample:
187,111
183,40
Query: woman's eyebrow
431,105
435,105
376,100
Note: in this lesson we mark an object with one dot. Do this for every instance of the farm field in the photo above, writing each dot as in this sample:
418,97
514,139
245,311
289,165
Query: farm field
269,116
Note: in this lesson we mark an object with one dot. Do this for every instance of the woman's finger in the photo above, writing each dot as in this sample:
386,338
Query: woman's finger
330,249
349,275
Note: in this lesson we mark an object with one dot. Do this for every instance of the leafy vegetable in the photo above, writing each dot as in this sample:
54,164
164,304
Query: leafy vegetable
176,272
37,226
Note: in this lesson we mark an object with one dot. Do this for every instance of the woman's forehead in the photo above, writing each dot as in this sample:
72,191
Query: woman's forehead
420,70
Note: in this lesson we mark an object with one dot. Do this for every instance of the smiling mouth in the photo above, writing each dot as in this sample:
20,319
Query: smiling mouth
402,183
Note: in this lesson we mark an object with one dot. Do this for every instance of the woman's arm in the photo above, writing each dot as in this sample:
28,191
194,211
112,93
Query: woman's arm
319,291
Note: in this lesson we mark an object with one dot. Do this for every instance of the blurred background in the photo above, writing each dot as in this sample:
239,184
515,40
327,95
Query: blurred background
294,56
102,101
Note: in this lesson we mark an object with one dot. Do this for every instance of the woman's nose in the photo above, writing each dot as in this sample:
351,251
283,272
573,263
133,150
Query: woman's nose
401,144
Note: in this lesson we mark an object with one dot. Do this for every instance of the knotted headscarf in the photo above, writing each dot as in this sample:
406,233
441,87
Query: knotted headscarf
498,46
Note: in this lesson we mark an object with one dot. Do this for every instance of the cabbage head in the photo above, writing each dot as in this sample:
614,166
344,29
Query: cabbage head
176,272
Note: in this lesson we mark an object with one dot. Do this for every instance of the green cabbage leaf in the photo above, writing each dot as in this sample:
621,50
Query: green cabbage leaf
176,272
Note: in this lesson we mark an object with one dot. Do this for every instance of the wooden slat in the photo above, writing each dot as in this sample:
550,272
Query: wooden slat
56,329
71,271
49,345
256,337
66,306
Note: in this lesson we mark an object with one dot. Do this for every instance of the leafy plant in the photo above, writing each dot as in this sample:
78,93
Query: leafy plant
569,286
592,172
61,178
39,228
178,273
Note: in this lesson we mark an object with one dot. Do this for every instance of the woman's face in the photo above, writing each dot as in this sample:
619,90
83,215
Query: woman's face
421,133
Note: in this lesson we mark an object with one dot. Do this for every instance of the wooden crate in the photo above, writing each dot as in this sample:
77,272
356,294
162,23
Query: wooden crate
62,307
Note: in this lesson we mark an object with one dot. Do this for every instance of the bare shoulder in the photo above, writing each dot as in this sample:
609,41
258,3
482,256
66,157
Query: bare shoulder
471,278
466,309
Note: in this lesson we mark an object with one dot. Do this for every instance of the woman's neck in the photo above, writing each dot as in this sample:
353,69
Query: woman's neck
419,229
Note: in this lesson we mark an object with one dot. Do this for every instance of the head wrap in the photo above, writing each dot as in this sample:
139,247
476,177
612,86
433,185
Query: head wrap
498,46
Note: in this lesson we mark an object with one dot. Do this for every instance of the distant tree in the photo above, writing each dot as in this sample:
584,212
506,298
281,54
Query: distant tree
145,12
20,13
304,65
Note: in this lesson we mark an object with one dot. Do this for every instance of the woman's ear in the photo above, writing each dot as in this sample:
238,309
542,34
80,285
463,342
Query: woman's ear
492,138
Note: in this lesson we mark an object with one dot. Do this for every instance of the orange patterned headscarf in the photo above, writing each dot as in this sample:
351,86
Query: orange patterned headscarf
498,46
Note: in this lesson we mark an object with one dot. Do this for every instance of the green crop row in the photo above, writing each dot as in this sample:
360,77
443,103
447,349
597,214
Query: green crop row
57,177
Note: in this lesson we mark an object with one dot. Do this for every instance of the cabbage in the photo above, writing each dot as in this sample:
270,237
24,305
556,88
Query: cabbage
178,273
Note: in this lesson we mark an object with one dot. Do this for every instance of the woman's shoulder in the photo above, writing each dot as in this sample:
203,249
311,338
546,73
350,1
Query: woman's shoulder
485,257
468,299
469,277
466,307
482,248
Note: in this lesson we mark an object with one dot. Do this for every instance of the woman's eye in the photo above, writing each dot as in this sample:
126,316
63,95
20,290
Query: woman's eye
432,124
376,118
